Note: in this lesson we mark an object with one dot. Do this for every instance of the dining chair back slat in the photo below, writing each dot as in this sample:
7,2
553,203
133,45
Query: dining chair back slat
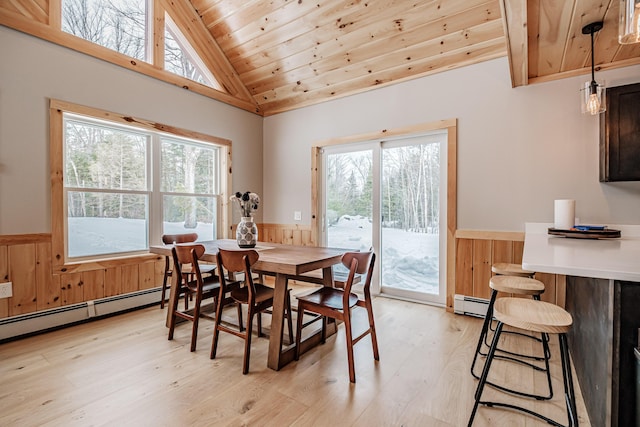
169,239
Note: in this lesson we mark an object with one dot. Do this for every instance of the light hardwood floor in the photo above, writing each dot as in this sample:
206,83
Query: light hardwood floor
122,371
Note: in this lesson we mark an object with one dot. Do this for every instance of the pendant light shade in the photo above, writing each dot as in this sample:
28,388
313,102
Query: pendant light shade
629,22
593,94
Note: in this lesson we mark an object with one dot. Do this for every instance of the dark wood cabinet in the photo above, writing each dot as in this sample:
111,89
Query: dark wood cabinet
620,135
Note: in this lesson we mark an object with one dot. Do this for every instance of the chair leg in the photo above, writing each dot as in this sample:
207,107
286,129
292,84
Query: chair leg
259,315
196,319
289,317
172,317
299,329
324,329
216,328
485,372
163,295
372,328
240,326
567,379
349,336
247,342
484,331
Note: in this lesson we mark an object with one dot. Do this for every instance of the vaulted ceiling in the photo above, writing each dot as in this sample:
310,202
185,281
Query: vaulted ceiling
278,55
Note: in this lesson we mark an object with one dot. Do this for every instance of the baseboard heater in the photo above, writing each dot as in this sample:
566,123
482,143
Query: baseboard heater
28,324
470,306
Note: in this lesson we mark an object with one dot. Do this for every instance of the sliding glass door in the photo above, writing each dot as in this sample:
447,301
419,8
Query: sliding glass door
386,195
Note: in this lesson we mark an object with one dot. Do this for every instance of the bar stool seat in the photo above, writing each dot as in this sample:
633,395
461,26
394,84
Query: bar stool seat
516,285
508,269
513,285
532,316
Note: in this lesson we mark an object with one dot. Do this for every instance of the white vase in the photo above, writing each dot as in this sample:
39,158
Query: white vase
247,233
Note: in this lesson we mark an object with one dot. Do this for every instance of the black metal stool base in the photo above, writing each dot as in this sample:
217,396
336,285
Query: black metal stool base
567,380
512,356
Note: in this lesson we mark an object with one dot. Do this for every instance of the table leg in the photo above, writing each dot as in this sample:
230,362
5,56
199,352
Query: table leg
327,277
277,322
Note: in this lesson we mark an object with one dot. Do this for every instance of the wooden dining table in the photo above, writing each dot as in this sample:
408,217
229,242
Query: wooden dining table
285,262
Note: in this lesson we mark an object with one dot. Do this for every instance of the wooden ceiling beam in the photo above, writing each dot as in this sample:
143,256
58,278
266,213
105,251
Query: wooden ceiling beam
577,52
514,18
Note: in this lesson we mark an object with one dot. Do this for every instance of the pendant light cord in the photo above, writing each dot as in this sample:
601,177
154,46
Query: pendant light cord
593,66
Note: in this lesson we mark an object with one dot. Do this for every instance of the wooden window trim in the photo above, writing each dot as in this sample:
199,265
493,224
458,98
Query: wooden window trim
57,109
451,126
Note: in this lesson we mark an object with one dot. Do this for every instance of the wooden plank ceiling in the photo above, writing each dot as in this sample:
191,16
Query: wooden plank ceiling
277,55
298,52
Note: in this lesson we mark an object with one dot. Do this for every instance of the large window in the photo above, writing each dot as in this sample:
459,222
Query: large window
385,194
120,25
125,186
181,59
395,191
123,26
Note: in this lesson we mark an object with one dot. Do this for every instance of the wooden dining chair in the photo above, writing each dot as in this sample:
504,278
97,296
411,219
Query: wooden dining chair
257,297
202,288
337,304
172,239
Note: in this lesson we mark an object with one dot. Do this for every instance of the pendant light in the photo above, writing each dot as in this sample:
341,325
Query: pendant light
593,94
629,22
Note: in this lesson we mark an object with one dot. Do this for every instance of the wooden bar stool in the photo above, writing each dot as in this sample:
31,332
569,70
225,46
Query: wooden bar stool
532,316
516,285
508,269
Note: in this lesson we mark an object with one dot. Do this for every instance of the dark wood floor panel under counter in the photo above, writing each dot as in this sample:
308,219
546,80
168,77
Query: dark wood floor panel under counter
606,324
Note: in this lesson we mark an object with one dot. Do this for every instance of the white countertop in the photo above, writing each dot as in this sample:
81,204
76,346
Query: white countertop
617,259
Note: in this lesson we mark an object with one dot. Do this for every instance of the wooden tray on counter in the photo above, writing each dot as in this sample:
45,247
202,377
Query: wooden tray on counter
607,233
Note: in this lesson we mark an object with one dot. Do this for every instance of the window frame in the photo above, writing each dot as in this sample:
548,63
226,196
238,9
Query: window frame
57,111
451,196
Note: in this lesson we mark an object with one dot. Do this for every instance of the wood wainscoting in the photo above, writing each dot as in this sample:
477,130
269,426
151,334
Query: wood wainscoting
476,251
38,284
26,261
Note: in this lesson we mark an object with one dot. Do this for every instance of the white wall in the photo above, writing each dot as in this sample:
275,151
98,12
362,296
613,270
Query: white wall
518,149
32,71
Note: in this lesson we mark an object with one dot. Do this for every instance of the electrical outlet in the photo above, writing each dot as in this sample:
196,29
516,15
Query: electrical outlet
297,216
5,290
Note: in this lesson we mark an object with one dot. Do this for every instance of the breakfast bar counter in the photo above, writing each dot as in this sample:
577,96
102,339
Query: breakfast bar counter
603,296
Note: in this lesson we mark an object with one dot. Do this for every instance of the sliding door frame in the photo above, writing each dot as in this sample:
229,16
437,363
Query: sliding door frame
450,126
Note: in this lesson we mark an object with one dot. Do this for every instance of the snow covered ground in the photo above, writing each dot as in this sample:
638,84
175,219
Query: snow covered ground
409,260
100,236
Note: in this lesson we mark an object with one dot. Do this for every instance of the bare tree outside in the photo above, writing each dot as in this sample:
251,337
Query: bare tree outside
409,202
178,62
410,186
116,24
108,187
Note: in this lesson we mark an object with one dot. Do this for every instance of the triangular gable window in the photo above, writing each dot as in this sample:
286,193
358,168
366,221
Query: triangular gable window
180,57
124,26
